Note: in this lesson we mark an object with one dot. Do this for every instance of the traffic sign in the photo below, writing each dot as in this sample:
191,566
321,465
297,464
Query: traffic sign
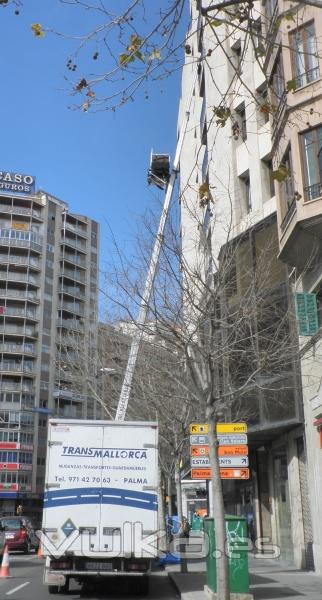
232,450
199,440
222,450
226,461
236,439
199,450
200,473
233,461
205,473
197,428
224,439
234,473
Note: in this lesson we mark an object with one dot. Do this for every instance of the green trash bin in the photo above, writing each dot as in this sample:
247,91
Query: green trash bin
237,546
197,524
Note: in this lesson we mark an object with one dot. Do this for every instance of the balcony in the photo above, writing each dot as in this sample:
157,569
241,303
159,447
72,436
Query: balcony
20,294
72,324
14,311
73,308
74,259
69,394
78,245
12,366
12,259
20,210
76,229
10,329
76,275
21,239
72,291
25,277
15,386
300,231
11,348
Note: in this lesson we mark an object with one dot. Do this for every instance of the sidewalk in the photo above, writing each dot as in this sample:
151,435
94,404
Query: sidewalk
269,580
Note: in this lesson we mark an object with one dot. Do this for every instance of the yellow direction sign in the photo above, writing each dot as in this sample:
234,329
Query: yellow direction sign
197,428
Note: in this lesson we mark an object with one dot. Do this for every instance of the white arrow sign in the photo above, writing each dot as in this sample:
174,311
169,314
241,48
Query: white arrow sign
233,461
225,439
229,461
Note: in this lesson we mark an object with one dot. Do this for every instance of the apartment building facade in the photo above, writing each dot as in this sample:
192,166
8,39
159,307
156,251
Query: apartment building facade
297,146
48,293
248,119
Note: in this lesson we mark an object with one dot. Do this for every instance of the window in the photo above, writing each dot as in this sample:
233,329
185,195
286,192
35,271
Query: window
242,123
305,60
312,162
246,192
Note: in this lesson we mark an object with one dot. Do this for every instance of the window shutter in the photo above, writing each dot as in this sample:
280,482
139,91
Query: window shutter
306,313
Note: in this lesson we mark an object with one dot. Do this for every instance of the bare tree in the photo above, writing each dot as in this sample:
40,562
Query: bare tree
229,320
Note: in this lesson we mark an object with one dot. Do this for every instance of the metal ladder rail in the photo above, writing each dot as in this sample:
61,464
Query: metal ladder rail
130,368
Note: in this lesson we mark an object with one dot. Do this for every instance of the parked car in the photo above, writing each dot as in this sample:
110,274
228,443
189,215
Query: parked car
19,533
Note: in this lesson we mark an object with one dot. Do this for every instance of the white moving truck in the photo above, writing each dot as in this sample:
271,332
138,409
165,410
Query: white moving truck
100,505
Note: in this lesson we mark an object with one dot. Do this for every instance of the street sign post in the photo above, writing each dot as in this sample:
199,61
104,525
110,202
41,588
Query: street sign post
232,450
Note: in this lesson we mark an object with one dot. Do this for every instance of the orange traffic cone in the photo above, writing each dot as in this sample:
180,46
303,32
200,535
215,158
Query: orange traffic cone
39,551
4,571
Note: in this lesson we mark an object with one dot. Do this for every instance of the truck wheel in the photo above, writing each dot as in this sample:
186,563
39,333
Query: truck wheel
141,586
64,589
53,589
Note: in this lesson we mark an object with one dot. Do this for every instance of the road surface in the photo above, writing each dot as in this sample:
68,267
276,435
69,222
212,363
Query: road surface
25,583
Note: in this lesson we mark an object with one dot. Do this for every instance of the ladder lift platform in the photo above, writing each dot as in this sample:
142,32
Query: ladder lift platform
159,171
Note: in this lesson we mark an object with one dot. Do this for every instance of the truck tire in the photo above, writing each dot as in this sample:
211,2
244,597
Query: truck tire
141,586
53,589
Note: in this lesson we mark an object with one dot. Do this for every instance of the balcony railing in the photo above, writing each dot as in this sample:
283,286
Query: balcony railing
9,328
24,239
70,324
10,276
73,291
74,244
17,348
75,229
14,311
312,192
73,258
17,367
73,308
69,394
15,386
21,294
307,77
77,275
20,210
19,260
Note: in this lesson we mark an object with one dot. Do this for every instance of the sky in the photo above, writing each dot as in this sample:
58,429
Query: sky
97,162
